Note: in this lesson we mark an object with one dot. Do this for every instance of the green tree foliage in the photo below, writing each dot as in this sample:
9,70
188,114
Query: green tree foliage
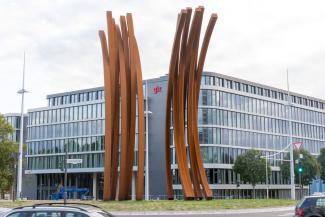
309,164
321,161
7,160
251,167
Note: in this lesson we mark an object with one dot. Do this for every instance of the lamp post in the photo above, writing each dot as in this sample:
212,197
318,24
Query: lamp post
20,153
147,112
292,172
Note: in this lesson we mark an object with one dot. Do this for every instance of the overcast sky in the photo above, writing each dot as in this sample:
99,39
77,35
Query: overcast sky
254,40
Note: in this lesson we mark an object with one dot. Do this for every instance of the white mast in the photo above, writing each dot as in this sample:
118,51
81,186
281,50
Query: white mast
20,154
292,173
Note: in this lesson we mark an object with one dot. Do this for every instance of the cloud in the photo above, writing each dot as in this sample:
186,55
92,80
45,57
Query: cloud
253,40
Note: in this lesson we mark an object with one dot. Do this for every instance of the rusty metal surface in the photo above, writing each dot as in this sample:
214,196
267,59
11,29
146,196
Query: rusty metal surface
185,72
123,85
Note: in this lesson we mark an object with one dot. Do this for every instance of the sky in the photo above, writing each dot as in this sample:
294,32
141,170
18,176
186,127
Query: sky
256,40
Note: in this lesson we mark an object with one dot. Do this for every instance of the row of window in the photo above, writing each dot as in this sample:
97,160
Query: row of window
94,143
67,114
242,194
73,129
228,176
228,155
80,97
14,121
258,106
239,86
15,136
56,162
225,155
90,160
215,135
213,116
75,98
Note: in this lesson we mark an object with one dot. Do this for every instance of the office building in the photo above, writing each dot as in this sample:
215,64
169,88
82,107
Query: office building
29,182
234,115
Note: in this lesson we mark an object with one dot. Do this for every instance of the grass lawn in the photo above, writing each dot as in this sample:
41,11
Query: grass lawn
173,205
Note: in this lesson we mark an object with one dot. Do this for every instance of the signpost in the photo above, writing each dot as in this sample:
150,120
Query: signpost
66,162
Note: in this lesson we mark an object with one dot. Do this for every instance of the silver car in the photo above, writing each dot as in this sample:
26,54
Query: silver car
57,210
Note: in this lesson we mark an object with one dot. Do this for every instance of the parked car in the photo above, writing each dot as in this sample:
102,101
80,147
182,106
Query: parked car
311,206
57,210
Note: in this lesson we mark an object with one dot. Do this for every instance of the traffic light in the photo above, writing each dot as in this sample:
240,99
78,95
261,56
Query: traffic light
300,168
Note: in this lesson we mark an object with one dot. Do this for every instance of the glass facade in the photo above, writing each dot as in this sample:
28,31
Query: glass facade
14,121
74,120
235,116
78,127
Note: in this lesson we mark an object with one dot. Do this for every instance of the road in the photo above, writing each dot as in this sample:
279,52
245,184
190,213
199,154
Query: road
268,212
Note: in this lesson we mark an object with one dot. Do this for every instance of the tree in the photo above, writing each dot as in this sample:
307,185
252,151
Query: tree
321,161
251,168
7,159
309,164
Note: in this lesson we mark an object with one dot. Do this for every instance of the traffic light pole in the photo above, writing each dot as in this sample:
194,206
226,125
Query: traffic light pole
266,179
300,185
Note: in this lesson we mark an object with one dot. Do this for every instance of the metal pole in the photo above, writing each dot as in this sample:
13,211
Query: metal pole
20,154
14,181
267,179
147,145
300,185
292,173
65,174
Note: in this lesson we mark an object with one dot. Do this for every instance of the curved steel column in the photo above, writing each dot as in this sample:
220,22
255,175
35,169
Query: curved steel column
185,72
123,86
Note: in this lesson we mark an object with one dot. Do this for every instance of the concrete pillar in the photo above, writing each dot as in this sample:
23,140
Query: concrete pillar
41,187
133,186
48,186
94,186
75,194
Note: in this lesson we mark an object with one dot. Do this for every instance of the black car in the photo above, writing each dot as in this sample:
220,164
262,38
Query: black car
311,206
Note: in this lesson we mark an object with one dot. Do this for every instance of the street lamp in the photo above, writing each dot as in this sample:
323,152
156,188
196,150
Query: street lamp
292,172
20,154
147,112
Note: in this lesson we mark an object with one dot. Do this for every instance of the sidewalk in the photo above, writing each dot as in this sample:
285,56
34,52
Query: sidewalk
207,212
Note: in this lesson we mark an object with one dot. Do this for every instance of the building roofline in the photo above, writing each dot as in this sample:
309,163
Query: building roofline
165,77
261,85
74,92
14,114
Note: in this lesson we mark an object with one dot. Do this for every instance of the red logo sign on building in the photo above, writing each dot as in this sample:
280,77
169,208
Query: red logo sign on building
157,89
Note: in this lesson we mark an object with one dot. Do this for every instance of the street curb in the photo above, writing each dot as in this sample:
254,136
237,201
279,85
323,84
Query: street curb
206,212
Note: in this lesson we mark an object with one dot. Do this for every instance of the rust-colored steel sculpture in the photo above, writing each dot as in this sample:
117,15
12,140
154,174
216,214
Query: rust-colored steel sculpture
184,81
123,86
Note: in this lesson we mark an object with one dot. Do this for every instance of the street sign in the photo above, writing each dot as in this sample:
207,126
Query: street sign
297,145
301,156
74,161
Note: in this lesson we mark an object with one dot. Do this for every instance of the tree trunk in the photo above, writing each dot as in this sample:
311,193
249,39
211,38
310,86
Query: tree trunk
254,195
